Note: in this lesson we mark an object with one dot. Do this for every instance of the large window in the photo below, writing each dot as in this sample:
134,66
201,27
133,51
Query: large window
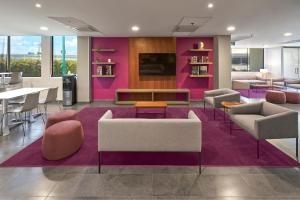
3,53
247,60
25,55
70,54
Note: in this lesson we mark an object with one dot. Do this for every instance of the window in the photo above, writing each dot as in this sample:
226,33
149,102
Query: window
25,55
70,56
247,60
239,59
3,53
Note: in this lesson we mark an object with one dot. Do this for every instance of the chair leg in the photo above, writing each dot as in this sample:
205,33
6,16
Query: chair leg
199,162
204,105
257,149
230,127
297,147
99,164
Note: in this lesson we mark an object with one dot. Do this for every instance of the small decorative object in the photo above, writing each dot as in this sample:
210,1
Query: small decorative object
99,70
109,60
194,59
195,70
201,45
203,69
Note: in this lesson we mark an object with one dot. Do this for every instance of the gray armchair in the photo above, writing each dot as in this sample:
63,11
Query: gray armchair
215,97
265,120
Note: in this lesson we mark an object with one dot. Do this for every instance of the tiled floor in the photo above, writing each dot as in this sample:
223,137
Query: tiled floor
131,182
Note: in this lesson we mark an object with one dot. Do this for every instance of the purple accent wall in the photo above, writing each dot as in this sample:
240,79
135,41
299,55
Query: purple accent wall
104,88
196,85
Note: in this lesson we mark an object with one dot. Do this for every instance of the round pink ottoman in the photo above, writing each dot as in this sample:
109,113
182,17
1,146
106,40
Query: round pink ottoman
62,139
274,96
292,97
61,116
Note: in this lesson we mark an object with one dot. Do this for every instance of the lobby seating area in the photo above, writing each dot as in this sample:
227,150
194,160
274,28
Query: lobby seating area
149,100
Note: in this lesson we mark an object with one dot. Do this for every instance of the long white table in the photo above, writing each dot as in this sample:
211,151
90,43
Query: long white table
5,96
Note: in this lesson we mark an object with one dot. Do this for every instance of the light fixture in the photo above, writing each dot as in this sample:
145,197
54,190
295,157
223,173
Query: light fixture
210,5
288,34
38,5
231,28
266,46
135,28
44,28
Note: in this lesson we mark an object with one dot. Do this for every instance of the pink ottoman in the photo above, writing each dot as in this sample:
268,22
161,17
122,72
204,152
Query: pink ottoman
61,116
274,96
292,97
62,139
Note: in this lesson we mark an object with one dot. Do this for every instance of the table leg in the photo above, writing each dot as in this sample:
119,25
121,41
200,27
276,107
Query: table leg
165,112
5,126
224,113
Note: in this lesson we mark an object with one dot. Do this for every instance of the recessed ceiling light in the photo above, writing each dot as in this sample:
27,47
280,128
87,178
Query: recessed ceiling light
210,5
135,28
231,28
38,5
288,34
44,28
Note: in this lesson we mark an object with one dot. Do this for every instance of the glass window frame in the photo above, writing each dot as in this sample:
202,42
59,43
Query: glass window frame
52,56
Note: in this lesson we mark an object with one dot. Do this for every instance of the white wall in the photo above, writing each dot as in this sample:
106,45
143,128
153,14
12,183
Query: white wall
273,61
222,61
83,86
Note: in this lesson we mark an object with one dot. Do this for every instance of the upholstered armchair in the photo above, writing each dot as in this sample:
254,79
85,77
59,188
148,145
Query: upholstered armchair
265,120
215,97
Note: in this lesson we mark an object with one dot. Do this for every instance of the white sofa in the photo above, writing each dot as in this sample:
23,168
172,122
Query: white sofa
149,135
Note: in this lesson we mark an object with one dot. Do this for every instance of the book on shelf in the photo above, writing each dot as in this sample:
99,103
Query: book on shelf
195,70
108,70
99,70
203,69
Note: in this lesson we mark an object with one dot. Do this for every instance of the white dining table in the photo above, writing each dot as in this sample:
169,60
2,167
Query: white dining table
3,74
5,96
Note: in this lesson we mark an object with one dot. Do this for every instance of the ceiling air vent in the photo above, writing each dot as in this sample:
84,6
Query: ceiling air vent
188,25
75,24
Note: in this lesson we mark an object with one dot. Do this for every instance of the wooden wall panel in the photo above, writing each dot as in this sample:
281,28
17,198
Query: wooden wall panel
149,45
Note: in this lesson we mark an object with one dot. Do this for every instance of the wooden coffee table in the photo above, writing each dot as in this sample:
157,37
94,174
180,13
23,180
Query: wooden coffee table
150,104
229,104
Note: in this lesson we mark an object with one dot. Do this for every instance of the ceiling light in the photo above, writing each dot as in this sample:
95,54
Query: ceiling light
44,28
38,5
288,34
230,28
210,5
135,28
266,46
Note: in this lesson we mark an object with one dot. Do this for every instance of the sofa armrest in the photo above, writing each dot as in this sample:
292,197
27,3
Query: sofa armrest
107,115
251,108
277,126
226,97
213,93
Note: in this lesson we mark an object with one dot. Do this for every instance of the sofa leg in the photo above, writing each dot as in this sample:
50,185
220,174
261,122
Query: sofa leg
257,148
199,162
99,158
297,147
214,113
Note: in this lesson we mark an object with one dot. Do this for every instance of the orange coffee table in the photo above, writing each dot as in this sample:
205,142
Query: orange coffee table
150,104
228,104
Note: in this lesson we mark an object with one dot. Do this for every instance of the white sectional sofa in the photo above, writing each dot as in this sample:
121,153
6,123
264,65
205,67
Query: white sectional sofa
149,135
242,80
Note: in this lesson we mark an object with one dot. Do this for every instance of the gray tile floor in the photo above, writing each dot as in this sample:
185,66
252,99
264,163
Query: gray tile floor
132,182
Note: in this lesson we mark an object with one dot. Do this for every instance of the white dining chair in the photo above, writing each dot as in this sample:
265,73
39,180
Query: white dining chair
31,102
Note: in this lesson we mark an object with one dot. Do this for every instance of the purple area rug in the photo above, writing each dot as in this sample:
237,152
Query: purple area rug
219,148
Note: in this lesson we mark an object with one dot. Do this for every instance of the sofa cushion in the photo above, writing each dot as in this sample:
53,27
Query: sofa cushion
247,122
272,109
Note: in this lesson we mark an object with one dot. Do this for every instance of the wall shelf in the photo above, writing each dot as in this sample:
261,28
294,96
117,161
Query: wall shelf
201,63
104,50
103,76
201,50
201,76
103,63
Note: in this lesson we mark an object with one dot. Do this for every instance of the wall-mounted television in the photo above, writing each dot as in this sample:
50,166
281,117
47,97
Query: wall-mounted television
157,64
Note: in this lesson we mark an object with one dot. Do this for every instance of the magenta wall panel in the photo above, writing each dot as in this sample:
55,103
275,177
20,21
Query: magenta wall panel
183,80
104,88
